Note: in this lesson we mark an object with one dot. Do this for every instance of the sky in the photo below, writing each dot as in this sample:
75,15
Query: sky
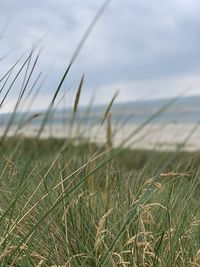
143,49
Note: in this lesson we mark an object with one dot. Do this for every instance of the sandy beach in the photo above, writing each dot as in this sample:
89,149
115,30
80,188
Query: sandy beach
153,136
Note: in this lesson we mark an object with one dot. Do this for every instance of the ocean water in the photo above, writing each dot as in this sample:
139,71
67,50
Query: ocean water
185,110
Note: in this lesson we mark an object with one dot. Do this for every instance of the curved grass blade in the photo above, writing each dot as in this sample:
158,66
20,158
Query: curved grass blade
74,56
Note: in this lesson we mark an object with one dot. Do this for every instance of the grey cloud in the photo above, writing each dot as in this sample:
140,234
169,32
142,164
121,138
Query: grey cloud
133,41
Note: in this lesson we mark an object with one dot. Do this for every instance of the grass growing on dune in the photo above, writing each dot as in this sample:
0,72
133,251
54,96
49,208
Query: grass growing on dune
63,204
64,207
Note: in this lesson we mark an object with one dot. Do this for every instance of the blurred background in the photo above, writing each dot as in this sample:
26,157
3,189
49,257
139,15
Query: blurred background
148,52
145,49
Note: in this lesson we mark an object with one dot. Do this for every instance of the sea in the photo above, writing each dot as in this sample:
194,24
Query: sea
182,110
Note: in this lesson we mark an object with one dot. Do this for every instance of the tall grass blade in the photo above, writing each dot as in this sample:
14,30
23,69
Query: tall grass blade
74,56
76,102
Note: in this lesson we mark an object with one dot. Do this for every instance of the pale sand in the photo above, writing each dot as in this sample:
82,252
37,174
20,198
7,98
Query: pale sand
161,137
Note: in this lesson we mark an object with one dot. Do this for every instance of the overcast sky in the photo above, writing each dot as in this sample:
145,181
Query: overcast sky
144,48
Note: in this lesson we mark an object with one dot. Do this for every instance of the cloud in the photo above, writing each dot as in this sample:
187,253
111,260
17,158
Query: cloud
135,43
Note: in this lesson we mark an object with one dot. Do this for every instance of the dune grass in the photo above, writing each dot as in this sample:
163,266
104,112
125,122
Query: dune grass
78,206
65,203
